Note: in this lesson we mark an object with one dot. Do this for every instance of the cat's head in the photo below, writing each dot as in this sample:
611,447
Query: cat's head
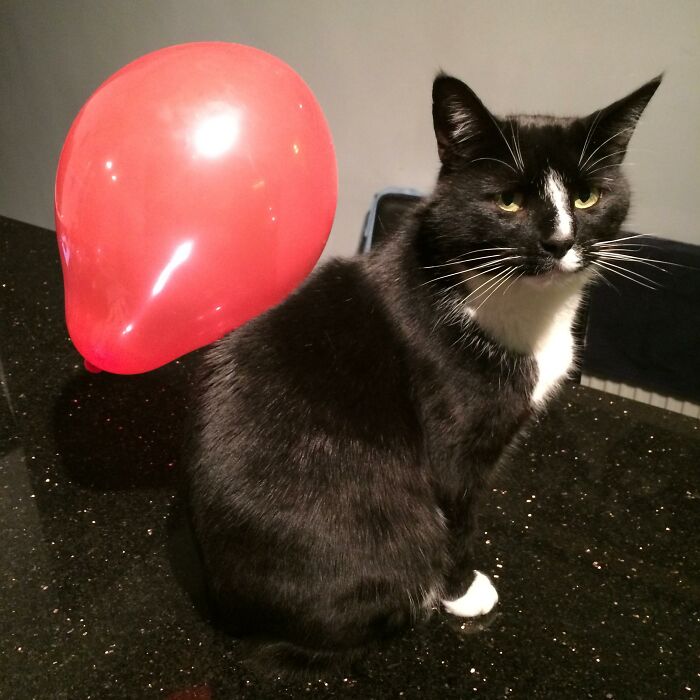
535,192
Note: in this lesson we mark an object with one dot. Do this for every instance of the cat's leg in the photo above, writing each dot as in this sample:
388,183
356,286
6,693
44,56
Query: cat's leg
468,592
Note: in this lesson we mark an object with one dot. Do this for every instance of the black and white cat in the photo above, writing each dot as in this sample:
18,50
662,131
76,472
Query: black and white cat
343,440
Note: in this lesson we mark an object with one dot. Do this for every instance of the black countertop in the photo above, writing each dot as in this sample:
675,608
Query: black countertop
590,536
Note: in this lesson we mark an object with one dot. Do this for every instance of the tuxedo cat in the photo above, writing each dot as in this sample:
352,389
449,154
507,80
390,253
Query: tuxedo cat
342,441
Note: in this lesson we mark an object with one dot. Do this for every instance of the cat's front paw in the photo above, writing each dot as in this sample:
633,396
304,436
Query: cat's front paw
478,600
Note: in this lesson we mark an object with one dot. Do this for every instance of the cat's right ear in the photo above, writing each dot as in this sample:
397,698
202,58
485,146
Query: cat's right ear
459,117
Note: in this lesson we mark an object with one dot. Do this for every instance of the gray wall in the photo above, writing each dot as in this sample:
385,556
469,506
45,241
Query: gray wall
370,65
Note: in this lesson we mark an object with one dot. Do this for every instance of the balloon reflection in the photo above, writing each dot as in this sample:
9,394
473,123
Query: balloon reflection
182,252
217,133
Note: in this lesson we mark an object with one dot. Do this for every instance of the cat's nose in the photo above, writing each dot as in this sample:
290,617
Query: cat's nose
558,245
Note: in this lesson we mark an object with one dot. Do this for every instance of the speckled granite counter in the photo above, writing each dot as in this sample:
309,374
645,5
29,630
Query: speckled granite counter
591,537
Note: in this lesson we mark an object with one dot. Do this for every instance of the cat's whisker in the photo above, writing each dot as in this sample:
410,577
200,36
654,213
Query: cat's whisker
628,271
622,131
461,262
626,248
485,272
464,259
614,269
591,131
495,160
604,167
608,167
623,238
465,256
490,281
463,302
505,140
482,273
660,262
511,272
484,250
492,263
634,258
516,144
513,282
619,249
602,158
614,245
601,276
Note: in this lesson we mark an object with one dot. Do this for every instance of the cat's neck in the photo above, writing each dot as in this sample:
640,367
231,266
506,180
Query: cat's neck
535,318
525,317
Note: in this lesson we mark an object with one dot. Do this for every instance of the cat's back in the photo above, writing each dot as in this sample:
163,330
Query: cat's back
325,365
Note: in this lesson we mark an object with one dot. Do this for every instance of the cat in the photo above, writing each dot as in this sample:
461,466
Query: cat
342,440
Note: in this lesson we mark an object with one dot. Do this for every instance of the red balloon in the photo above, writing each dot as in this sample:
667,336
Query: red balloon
196,188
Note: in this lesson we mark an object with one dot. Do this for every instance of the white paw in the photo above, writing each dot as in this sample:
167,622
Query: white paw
478,600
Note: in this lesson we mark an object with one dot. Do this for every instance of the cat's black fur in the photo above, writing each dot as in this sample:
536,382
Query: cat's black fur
343,439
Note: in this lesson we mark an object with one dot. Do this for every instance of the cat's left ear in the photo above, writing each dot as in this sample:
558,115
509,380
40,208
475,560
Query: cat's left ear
611,128
460,118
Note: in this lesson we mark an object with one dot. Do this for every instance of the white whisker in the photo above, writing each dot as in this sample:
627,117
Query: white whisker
505,140
601,276
633,258
474,291
646,260
622,131
591,131
491,263
602,158
614,269
513,282
462,262
489,281
495,160
510,271
499,262
623,238
604,167
619,249
465,256
484,268
516,145
627,270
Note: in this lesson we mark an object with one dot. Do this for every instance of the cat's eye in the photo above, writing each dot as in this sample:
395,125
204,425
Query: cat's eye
587,197
511,201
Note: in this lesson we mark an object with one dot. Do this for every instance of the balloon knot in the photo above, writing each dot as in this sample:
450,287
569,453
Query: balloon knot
90,367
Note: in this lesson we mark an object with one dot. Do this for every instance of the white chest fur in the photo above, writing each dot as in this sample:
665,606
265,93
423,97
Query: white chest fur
554,356
535,318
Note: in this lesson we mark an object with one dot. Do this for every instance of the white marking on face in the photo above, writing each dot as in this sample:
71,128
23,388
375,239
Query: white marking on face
478,600
571,261
554,187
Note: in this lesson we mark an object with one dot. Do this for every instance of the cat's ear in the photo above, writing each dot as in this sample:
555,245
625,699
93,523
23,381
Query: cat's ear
610,129
459,117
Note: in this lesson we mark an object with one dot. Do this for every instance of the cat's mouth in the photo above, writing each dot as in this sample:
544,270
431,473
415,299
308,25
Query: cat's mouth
553,275
534,270
552,268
